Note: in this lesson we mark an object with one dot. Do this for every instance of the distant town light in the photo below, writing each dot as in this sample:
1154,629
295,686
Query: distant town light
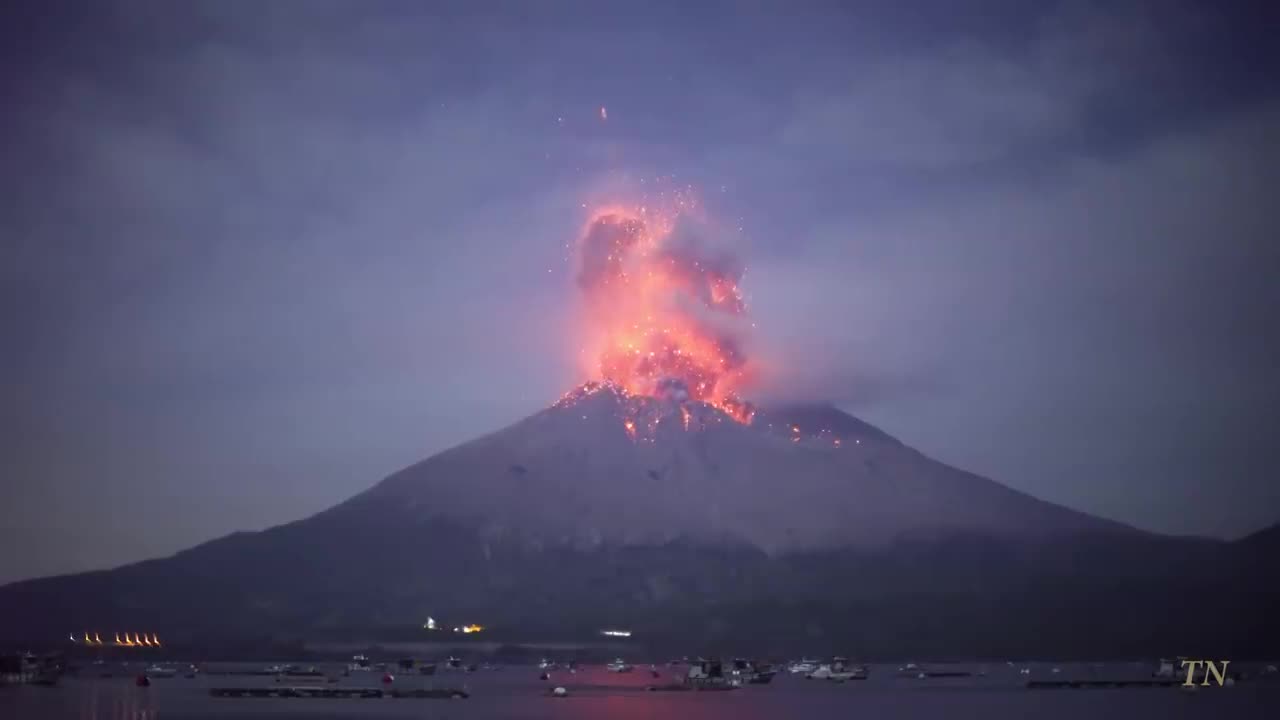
430,624
616,633
468,629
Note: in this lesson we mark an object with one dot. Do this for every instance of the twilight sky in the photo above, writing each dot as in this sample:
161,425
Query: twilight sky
261,254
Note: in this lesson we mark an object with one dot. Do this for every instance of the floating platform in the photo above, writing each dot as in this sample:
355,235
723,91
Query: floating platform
1098,684
338,693
680,687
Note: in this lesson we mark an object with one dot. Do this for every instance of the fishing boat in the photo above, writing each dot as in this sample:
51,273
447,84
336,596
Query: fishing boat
802,667
618,666
838,670
710,675
752,672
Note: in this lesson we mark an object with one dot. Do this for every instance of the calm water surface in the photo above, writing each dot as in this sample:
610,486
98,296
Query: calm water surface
516,692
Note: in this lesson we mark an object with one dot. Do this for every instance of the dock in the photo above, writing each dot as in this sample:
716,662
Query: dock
338,693
1096,684
679,687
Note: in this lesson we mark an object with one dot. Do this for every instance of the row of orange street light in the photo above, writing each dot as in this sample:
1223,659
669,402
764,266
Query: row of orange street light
134,640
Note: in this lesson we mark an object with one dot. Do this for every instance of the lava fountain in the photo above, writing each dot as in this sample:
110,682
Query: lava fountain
664,311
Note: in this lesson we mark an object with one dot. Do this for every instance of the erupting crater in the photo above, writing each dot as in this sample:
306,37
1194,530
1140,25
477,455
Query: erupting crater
665,316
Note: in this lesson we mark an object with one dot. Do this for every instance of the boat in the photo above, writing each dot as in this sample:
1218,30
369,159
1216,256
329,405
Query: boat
156,671
710,675
546,664
753,672
618,666
920,673
838,670
358,663
453,663
802,667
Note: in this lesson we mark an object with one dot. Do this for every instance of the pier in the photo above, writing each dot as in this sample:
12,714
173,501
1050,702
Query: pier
1096,684
337,692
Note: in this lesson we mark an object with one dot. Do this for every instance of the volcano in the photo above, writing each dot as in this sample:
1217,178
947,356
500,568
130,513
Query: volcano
661,500
603,466
804,530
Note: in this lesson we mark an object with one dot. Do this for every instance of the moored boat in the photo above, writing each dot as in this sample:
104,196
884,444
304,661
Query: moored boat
710,675
838,670
802,667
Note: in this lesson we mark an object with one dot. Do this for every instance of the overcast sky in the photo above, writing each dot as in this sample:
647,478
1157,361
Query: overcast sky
259,255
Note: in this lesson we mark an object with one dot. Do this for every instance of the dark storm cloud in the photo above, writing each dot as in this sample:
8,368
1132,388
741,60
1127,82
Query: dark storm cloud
258,256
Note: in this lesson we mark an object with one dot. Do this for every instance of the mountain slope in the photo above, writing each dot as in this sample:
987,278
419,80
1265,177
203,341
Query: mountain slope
796,478
715,537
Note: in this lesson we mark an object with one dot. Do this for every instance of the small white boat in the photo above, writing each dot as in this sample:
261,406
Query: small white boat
837,671
618,666
156,671
802,667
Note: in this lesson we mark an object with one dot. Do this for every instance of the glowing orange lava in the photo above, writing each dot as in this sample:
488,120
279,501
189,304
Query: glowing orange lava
662,308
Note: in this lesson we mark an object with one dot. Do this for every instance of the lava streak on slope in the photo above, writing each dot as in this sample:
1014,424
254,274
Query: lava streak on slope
662,309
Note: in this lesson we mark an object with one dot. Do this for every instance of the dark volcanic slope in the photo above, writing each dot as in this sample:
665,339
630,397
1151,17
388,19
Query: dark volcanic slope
720,538
798,478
